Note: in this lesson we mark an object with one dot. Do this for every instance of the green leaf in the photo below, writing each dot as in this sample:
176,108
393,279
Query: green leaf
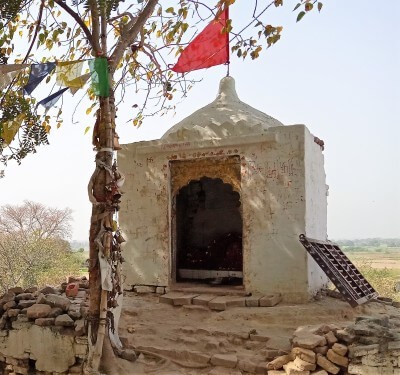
87,129
300,16
320,6
297,5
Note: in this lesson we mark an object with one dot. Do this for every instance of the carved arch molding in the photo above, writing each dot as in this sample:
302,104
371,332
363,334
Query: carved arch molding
225,168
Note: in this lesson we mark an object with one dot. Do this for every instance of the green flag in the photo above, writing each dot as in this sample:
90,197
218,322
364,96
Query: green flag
99,73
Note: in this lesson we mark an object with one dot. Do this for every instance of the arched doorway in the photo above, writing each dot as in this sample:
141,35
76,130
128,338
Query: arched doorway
208,233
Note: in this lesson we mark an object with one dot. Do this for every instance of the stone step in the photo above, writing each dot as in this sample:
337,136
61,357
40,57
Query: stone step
219,302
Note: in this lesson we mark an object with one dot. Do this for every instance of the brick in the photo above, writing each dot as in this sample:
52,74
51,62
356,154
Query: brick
304,365
224,360
304,354
309,341
270,300
217,303
337,359
345,336
330,338
361,350
321,349
185,299
340,349
252,301
319,372
278,362
144,289
203,299
292,369
327,365
235,302
169,297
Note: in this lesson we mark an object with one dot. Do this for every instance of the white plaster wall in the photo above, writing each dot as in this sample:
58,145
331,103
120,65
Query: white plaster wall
273,204
144,217
274,215
316,207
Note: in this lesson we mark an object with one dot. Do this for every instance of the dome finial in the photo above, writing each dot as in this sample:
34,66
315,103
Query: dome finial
227,91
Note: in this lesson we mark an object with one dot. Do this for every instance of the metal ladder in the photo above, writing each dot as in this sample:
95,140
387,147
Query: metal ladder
341,271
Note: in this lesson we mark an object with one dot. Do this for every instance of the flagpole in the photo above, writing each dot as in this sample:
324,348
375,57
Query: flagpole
227,44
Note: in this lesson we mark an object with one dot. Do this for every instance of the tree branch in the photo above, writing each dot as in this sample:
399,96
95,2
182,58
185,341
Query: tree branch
78,20
129,36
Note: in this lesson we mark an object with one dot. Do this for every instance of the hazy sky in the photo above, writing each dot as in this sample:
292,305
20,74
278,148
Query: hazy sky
337,73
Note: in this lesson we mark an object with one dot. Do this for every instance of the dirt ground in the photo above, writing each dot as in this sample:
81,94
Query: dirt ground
178,331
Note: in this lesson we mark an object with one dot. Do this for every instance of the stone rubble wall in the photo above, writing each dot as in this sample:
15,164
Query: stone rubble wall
43,331
370,346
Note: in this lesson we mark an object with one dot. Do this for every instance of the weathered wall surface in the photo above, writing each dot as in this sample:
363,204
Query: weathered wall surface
316,206
273,196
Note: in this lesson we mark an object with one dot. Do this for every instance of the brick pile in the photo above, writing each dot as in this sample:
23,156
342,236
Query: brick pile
370,346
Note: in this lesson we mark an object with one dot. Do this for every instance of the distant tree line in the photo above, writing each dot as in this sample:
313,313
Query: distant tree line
370,242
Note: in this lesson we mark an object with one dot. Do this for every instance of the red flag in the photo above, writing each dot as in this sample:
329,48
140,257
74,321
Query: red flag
209,48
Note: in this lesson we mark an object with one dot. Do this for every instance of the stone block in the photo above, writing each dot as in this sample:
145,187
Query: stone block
340,349
278,362
54,312
378,360
261,367
292,369
361,350
235,301
327,365
358,369
330,338
276,372
24,296
224,360
203,299
185,299
12,313
345,336
304,365
270,354
321,349
160,290
32,289
38,311
217,303
144,289
394,345
270,300
260,338
9,305
253,301
224,371
20,325
247,365
55,300
337,359
23,304
80,350
16,290
304,354
319,372
169,297
80,328
21,370
194,356
44,322
309,340
47,290
64,320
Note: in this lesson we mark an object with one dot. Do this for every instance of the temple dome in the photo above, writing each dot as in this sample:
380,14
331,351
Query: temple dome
226,116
